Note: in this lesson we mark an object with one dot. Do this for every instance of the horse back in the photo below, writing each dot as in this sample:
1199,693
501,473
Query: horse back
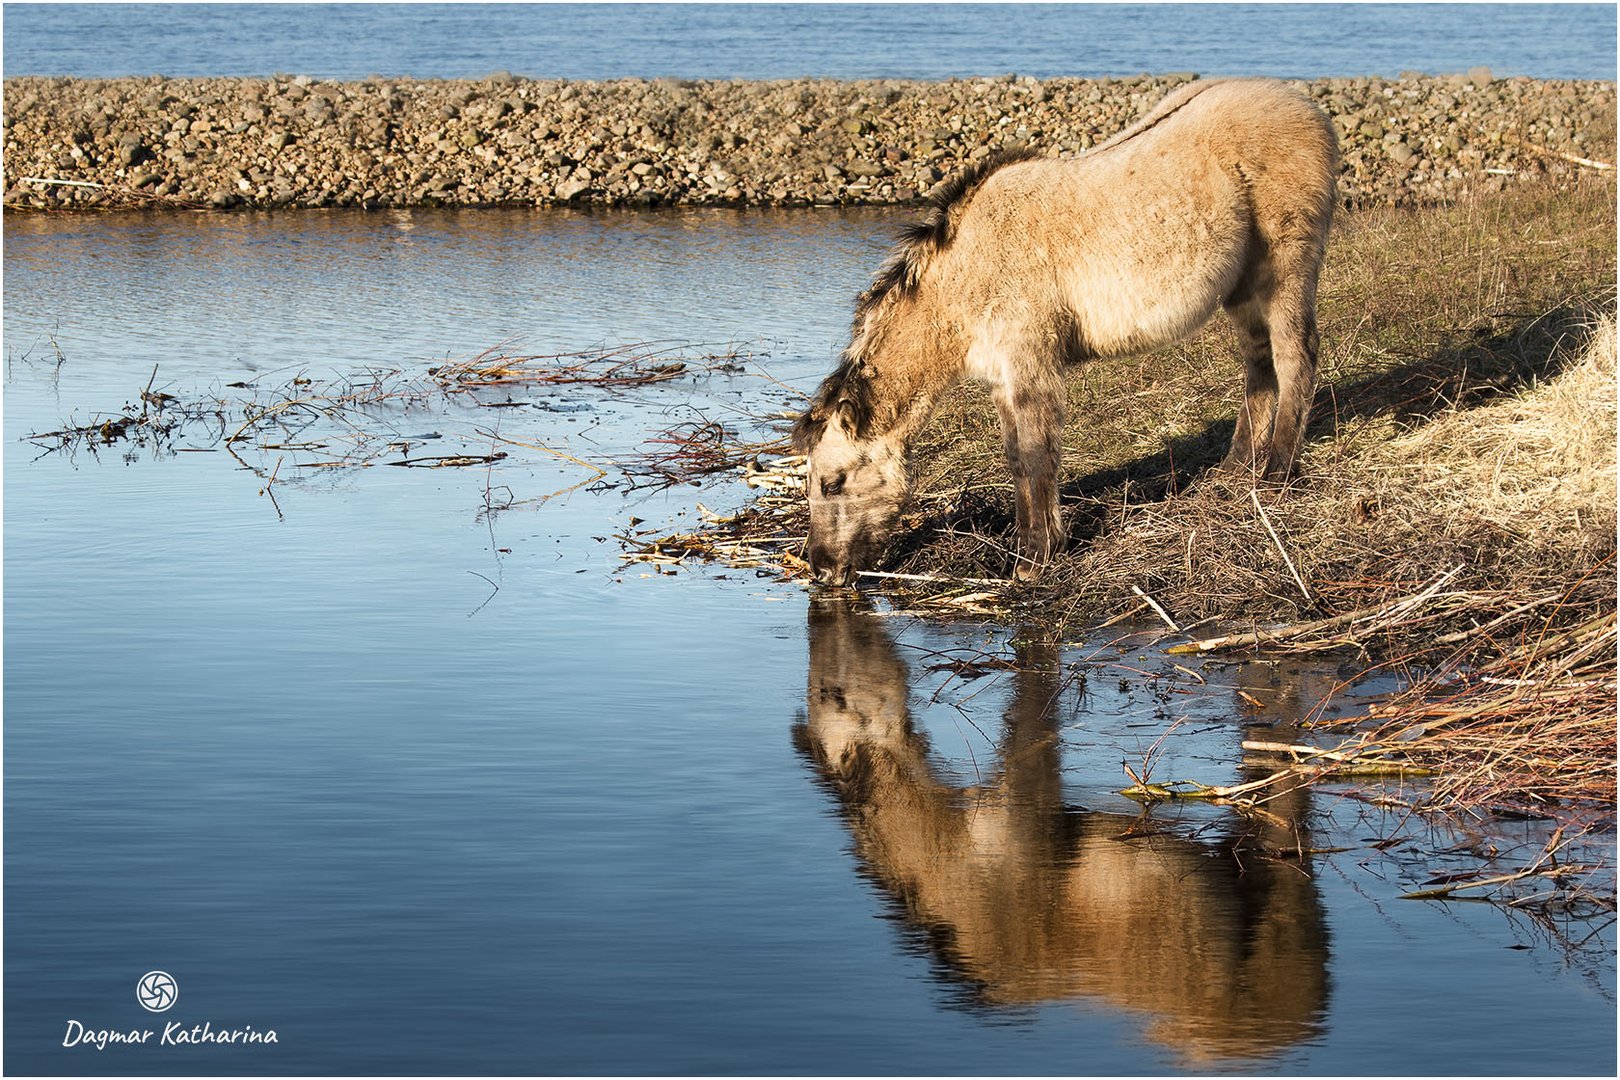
1135,244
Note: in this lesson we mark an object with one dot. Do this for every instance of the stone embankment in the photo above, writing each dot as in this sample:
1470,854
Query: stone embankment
384,142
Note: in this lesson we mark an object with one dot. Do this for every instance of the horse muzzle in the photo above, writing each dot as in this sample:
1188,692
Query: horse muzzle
835,577
827,570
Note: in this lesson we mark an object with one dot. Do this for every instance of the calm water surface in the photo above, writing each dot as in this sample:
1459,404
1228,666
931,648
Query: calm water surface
778,41
429,789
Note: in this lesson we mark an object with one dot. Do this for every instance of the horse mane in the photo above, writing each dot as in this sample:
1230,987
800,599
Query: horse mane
1168,106
902,269
850,384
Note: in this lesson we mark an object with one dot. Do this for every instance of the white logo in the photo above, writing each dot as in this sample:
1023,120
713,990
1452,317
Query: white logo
157,991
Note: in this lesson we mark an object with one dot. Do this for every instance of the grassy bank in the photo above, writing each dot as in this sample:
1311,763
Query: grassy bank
1459,420
1455,508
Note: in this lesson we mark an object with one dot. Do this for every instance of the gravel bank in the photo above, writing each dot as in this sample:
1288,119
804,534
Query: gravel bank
299,142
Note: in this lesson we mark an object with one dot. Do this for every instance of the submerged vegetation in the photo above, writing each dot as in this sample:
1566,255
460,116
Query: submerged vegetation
346,421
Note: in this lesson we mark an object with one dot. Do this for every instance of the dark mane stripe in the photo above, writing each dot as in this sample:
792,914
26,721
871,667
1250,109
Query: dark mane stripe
933,232
1160,113
849,386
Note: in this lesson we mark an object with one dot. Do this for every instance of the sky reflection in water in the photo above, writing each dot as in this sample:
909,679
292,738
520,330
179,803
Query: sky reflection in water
430,790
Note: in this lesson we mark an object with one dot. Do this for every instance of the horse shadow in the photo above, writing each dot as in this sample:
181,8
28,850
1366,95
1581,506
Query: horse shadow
1465,374
1022,899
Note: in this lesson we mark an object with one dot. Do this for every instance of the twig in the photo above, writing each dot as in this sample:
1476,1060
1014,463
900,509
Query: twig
1280,633
493,589
51,181
269,484
1157,610
146,395
1254,495
1545,152
1121,617
1364,756
600,472
934,578
1555,844
1297,630
448,461
1462,635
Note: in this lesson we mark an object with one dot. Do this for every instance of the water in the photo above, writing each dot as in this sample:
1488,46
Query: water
429,789
770,41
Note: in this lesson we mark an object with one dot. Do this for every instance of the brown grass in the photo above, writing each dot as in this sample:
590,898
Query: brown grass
1435,444
1454,513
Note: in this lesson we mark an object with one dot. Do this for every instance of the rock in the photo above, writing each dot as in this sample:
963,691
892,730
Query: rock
504,139
571,189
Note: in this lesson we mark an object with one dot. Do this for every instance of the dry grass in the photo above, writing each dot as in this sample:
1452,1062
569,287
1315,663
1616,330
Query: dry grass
641,364
1543,461
1447,433
1455,511
1516,497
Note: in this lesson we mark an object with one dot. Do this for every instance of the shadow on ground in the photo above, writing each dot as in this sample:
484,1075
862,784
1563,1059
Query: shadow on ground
1473,369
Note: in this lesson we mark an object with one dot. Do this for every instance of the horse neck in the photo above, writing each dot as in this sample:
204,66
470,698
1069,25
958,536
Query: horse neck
912,362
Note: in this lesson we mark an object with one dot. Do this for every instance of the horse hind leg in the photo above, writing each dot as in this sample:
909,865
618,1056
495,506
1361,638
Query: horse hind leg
1252,437
1295,343
1032,430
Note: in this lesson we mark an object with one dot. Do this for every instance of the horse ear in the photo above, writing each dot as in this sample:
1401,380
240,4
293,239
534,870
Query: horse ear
807,429
844,396
849,416
854,413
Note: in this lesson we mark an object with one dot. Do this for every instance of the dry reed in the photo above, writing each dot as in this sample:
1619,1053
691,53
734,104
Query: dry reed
1455,505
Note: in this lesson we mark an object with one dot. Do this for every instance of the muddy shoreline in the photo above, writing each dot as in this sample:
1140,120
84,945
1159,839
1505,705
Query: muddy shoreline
502,141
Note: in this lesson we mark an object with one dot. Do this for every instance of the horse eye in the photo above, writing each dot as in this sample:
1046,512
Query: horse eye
833,486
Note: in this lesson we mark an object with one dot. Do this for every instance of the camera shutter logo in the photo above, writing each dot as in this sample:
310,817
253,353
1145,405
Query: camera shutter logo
157,991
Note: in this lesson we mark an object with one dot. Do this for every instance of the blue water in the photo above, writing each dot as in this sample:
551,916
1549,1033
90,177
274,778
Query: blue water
769,41
425,789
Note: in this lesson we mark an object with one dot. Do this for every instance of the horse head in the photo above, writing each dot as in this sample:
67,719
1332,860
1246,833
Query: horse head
857,481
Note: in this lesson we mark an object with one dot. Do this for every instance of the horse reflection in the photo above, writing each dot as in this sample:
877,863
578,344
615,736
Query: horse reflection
1027,900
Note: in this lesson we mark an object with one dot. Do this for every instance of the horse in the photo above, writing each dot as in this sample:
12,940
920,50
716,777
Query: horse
1221,196
1026,898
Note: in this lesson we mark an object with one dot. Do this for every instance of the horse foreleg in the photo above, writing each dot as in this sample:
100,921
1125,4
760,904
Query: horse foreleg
1032,430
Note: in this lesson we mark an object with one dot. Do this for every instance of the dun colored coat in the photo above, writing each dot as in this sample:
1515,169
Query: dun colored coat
1220,197
1030,899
